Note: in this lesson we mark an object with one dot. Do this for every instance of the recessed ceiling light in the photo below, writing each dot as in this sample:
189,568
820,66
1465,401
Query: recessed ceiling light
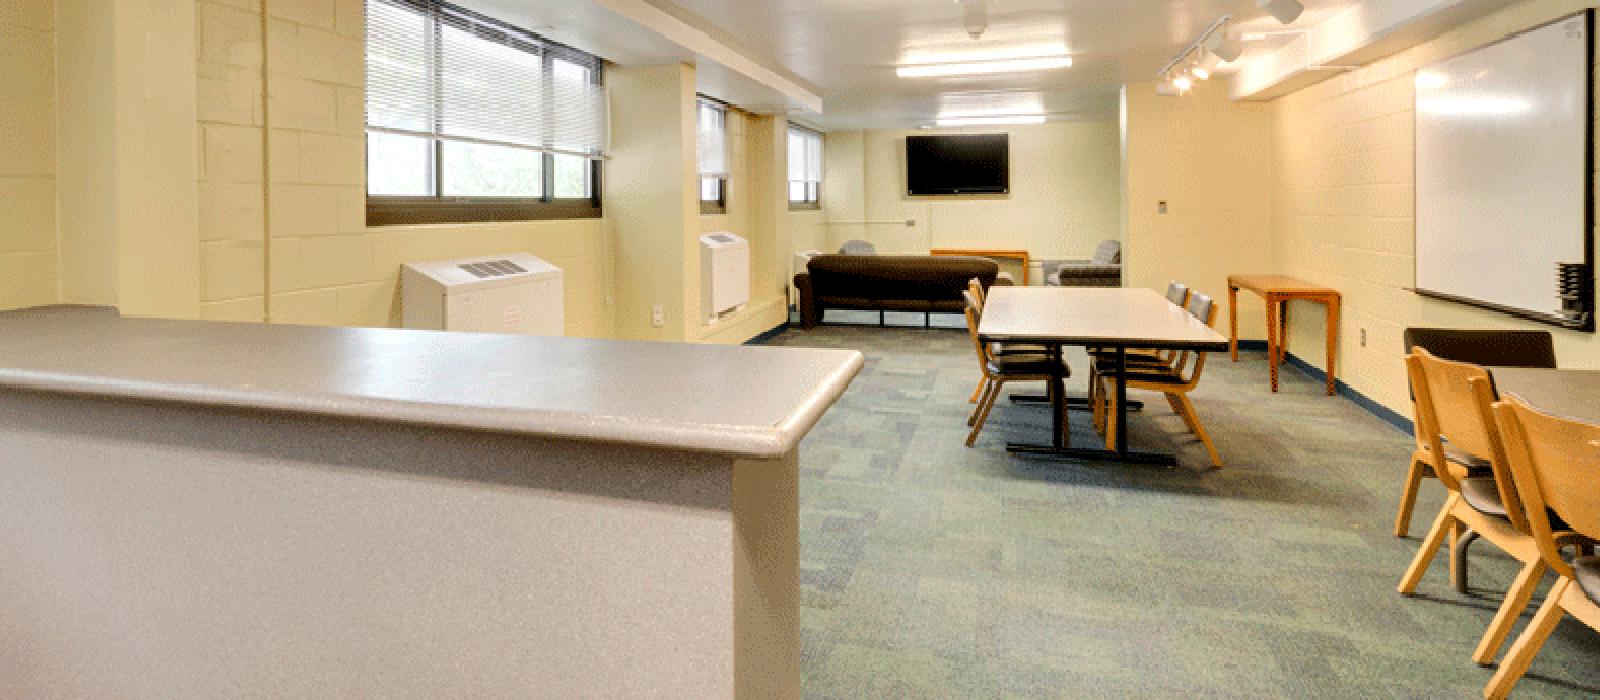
991,121
1014,65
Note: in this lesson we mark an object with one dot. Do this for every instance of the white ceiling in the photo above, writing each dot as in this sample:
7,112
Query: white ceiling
848,49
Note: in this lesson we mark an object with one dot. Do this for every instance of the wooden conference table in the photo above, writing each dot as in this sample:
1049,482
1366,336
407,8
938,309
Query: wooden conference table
1114,318
1568,393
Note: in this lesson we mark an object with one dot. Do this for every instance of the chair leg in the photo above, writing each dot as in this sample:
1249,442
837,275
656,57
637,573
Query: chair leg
1199,430
1442,526
1516,601
1177,407
1408,497
983,411
988,386
1527,646
1465,536
977,391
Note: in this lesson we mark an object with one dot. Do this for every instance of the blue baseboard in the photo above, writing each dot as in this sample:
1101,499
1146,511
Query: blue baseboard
1384,413
1253,345
767,336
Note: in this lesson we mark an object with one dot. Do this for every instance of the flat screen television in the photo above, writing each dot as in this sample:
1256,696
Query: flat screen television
958,164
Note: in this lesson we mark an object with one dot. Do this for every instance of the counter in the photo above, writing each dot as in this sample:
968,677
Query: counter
194,509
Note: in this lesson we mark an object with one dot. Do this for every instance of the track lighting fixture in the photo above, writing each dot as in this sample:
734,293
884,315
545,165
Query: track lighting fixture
1219,45
974,17
1205,66
1285,11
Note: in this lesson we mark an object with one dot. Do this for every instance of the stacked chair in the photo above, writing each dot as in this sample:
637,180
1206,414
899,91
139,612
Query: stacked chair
1001,363
1487,348
1556,465
1154,370
1453,401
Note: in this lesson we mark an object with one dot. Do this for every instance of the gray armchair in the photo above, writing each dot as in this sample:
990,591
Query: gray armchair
1103,270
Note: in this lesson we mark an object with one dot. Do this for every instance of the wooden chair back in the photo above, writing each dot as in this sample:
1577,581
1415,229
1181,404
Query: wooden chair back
1204,309
1178,293
1556,464
975,286
972,313
1458,396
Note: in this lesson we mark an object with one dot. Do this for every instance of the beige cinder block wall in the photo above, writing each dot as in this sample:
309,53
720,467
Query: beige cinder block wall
282,193
1210,159
27,154
1063,196
757,204
1344,188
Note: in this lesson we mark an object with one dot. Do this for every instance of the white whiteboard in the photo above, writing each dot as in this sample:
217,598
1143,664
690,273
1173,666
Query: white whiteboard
1502,183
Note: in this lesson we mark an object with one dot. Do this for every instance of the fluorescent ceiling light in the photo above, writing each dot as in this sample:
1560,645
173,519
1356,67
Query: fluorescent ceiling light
991,121
1014,65
967,54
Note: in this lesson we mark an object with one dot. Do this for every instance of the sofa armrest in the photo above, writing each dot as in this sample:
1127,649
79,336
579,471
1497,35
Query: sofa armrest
807,301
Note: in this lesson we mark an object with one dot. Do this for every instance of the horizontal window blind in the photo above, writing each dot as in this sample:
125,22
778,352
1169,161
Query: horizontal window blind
438,71
805,155
713,139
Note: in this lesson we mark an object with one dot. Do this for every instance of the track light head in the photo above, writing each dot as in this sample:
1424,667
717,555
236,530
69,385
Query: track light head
1183,83
1285,11
1219,45
1206,65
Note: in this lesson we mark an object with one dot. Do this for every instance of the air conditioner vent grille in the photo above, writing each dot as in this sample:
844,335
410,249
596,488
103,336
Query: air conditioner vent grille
493,268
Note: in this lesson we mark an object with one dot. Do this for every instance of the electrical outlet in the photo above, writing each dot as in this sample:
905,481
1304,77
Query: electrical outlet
1363,337
658,316
1161,207
911,223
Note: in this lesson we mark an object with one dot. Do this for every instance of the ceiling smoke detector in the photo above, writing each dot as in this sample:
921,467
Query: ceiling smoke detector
974,17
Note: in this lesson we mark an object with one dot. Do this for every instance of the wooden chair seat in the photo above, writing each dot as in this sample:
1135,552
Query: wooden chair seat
1483,495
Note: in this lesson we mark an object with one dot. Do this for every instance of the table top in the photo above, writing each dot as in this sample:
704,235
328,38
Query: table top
1103,316
1569,393
743,401
1278,284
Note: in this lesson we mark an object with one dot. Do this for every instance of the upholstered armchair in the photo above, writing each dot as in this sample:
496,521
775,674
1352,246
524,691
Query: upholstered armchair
1103,270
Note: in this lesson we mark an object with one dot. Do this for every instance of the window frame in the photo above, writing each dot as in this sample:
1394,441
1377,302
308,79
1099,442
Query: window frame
813,188
438,208
713,207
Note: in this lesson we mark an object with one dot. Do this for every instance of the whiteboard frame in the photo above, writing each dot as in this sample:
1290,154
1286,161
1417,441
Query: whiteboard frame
1588,323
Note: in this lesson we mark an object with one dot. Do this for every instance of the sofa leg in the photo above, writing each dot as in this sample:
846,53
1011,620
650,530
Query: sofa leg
927,320
880,318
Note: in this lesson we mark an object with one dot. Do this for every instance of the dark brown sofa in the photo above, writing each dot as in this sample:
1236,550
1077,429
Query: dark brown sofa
887,283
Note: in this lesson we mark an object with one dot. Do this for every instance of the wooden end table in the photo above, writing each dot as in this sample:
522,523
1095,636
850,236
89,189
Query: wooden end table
1018,255
1279,290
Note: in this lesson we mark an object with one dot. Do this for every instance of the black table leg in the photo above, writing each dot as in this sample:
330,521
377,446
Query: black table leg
1058,399
1057,447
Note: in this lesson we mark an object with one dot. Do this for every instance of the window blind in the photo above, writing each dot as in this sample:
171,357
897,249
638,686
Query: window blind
713,138
438,71
805,155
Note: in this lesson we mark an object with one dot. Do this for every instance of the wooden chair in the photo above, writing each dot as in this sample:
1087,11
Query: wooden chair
1556,465
999,369
1480,347
975,287
1454,403
1167,379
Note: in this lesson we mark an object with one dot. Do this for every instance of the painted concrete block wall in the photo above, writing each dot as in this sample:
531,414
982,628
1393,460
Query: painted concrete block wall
283,179
1344,187
757,210
27,154
1210,159
1063,200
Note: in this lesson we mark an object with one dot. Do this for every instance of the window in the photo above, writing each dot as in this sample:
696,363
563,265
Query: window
470,119
805,168
713,130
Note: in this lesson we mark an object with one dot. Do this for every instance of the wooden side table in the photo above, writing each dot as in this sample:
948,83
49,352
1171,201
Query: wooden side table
1279,290
1019,255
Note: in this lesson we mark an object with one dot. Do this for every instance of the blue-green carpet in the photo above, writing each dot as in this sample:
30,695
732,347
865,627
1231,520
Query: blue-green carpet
930,570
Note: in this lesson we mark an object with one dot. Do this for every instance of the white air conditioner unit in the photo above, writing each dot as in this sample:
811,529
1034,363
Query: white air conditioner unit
516,293
724,274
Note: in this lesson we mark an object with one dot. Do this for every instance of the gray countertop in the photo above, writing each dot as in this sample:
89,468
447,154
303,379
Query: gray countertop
745,401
